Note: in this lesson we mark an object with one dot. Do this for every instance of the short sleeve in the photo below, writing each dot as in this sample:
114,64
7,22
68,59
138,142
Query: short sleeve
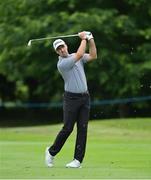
66,64
85,58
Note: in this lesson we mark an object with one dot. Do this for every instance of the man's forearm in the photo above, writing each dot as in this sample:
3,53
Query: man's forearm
81,50
92,49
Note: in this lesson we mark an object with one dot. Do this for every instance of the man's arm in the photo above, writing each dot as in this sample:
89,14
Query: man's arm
92,50
81,50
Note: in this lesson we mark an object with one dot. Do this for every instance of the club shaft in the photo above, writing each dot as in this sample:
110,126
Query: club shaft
54,37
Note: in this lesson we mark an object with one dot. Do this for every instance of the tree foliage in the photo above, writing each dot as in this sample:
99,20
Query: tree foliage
122,34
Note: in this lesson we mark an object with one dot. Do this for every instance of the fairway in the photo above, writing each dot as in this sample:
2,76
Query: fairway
116,149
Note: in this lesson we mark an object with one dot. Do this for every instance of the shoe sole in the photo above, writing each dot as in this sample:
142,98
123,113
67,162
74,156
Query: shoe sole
74,167
49,166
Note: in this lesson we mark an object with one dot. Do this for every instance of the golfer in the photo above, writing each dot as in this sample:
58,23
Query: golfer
76,102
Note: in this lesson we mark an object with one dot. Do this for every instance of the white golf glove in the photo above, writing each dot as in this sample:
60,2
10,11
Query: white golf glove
88,35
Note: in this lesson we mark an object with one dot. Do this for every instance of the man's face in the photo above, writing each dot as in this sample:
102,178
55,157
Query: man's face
62,50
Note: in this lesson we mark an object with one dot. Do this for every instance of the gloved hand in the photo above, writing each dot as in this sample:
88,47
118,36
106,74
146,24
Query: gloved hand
88,35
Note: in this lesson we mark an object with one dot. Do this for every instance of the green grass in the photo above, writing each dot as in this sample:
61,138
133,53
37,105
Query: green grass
119,149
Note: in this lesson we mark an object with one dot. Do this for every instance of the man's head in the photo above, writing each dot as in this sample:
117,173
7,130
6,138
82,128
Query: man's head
57,43
60,47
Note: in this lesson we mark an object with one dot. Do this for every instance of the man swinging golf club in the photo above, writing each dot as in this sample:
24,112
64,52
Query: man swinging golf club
76,100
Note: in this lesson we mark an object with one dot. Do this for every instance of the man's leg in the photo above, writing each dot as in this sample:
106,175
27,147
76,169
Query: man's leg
70,114
82,125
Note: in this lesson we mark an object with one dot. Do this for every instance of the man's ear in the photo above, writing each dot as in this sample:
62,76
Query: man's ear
57,52
66,46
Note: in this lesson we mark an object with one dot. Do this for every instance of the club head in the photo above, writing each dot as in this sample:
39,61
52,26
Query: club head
29,43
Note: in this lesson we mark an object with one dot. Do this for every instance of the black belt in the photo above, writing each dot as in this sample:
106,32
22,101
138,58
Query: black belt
76,94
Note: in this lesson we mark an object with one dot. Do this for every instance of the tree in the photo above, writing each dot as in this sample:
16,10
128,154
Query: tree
122,33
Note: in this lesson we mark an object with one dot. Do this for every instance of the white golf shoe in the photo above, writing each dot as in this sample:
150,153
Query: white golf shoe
74,164
48,158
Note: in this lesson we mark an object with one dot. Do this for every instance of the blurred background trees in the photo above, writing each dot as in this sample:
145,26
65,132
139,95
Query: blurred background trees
122,34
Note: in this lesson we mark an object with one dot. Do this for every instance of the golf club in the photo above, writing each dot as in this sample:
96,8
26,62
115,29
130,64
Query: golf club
53,37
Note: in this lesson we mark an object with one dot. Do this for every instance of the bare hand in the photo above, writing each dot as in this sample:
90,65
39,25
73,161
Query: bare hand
82,35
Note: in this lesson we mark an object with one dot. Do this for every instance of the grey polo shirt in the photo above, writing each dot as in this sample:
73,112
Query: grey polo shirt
72,72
